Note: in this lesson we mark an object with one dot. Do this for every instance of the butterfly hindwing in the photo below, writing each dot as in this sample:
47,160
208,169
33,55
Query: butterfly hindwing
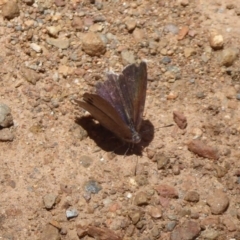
107,116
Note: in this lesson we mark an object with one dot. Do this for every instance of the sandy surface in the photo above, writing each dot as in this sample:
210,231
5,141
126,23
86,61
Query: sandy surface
60,159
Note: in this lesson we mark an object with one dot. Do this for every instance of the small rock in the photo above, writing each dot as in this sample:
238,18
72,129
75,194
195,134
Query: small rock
184,3
162,160
188,52
180,119
176,169
128,57
29,2
135,216
93,45
228,56
218,202
155,212
150,153
92,187
141,199
36,47
227,221
172,28
172,95
49,200
6,135
60,3
192,196
171,225
139,34
85,161
50,232
203,150
6,119
188,230
71,213
210,234
166,191
141,180
10,9
97,27
54,30
62,43
130,24
77,23
166,60
30,75
183,32
97,233
215,39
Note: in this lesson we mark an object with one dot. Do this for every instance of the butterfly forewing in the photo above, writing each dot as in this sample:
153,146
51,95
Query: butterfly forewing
136,81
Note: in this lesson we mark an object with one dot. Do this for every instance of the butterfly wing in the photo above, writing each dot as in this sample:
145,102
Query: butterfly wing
133,84
105,113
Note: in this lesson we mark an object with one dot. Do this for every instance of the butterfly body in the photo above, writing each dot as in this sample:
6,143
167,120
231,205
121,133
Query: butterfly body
118,103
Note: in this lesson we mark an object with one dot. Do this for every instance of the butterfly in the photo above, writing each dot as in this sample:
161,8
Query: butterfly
118,103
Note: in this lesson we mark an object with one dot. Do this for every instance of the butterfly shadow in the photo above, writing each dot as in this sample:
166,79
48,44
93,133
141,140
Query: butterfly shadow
108,142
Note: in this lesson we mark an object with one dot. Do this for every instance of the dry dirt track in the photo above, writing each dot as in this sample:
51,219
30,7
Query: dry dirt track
56,163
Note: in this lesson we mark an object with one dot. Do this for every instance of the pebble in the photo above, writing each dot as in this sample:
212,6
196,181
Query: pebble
172,28
188,52
154,211
141,199
162,161
36,47
183,32
218,202
203,150
54,30
139,34
215,39
97,27
210,234
71,213
135,216
62,43
188,230
6,135
171,225
49,200
166,191
180,119
10,9
227,221
30,75
128,57
6,119
85,161
192,196
228,56
92,187
238,96
102,233
50,232
130,24
60,3
77,23
166,60
93,45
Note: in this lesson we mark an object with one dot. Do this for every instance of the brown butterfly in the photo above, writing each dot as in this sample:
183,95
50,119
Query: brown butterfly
118,103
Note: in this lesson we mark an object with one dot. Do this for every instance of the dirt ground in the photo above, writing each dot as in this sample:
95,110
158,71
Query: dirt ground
63,176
